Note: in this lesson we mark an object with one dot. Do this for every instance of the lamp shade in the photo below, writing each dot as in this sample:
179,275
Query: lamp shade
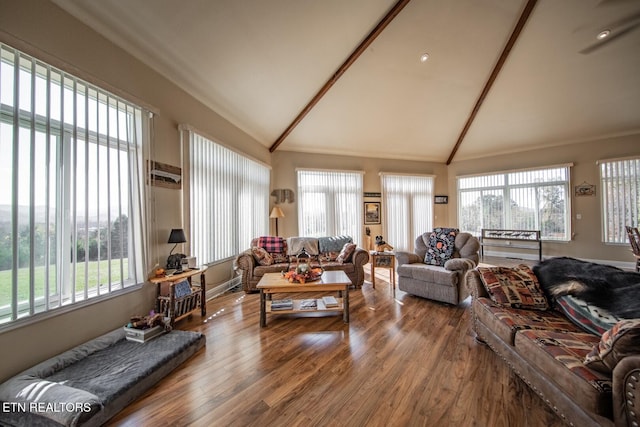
177,236
276,212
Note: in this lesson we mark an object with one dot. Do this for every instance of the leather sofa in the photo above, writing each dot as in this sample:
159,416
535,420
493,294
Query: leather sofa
547,351
441,283
324,252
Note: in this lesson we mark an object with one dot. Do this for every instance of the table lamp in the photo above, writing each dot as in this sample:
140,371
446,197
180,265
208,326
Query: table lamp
176,236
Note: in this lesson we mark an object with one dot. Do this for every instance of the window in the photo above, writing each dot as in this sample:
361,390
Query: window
229,200
330,203
72,205
408,208
532,199
620,183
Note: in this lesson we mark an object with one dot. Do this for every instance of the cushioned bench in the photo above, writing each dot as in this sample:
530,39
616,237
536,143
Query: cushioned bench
92,382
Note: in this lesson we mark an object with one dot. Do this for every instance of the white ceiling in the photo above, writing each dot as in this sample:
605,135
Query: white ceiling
258,63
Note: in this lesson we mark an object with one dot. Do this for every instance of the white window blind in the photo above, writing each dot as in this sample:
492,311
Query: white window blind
620,183
229,200
72,216
532,199
408,208
330,203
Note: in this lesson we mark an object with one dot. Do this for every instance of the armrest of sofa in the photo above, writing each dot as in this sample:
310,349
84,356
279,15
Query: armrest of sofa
360,257
406,258
245,262
459,264
626,391
474,285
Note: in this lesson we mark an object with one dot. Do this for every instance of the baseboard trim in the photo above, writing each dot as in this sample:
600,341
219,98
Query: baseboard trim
223,287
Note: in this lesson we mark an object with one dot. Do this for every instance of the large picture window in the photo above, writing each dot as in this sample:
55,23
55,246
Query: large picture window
72,205
229,200
620,182
330,203
532,199
408,208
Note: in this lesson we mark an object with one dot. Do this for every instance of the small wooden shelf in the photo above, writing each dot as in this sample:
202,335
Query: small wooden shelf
178,308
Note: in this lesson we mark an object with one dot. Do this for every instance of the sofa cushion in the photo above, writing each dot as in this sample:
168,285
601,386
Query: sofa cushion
334,265
261,255
329,256
587,316
620,341
506,322
347,251
440,246
515,287
428,273
560,356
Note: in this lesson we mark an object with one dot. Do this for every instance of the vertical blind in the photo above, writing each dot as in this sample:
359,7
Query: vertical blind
620,183
532,199
72,217
229,200
407,202
330,203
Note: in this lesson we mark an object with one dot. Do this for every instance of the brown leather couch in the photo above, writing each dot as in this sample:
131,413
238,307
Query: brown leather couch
546,350
322,254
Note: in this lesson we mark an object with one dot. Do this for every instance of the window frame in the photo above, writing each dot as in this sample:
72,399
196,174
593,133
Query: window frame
503,186
28,114
609,199
422,194
348,198
245,181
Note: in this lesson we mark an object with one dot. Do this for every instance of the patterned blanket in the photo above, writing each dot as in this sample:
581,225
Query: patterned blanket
333,244
272,244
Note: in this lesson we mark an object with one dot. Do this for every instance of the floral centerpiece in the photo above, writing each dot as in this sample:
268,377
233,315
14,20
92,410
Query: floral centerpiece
308,275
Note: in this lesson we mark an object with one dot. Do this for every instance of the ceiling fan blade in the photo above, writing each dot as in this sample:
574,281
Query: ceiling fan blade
614,35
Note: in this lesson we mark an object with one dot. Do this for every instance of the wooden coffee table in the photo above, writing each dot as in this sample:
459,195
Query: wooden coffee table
330,281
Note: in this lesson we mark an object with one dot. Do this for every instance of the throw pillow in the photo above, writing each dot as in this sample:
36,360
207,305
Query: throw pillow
345,254
515,287
330,256
587,316
261,256
279,257
440,246
618,342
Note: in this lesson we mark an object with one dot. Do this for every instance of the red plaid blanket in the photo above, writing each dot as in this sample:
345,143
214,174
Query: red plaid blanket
272,244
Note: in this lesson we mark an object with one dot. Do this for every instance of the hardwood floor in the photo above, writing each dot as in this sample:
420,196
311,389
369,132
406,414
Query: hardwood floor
406,361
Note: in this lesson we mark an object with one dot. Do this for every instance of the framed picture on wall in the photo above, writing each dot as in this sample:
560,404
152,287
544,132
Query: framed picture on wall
441,200
372,212
585,189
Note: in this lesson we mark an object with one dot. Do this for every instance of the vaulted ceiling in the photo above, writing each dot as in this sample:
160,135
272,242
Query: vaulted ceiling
260,63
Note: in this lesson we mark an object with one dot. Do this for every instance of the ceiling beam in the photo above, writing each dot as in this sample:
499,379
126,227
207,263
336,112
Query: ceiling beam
494,74
393,12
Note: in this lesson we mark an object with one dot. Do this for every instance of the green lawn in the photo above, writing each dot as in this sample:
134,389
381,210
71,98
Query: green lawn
97,272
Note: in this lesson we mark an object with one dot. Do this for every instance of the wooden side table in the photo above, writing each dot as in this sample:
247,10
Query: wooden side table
383,260
178,308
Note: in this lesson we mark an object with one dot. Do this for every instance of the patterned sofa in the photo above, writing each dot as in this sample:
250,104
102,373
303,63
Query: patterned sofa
271,254
587,379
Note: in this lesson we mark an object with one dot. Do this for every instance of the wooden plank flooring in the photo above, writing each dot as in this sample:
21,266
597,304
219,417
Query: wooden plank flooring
406,361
